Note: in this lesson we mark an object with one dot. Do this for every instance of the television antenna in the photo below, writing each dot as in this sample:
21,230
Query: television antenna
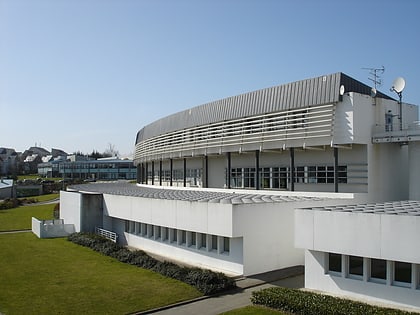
375,76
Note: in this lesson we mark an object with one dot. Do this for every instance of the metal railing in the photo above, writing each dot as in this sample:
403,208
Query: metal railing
392,133
107,234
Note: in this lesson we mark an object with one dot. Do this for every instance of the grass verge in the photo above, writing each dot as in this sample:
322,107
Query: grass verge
54,276
21,218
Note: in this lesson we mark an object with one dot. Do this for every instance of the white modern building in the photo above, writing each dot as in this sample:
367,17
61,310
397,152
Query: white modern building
218,184
366,251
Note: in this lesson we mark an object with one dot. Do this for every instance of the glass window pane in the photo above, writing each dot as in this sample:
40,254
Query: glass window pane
334,262
378,269
402,272
356,265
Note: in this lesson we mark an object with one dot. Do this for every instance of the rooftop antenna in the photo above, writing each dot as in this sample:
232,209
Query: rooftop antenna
376,79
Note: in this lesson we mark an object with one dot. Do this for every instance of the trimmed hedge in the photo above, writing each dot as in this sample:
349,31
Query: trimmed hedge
11,203
310,303
206,281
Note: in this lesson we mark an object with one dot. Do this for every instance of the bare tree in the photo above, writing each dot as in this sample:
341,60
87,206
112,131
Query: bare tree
111,151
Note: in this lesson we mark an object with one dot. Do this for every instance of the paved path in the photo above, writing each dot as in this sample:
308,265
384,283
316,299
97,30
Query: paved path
237,298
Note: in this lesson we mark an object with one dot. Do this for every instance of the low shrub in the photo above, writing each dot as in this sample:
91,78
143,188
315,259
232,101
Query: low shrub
206,281
310,303
11,203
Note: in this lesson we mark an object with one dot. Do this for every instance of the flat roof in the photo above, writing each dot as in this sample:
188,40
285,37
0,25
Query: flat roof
407,207
132,190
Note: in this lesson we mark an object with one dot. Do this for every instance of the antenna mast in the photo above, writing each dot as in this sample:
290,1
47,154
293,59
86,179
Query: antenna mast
375,75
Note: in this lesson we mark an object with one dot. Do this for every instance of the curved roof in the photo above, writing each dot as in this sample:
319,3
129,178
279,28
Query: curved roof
301,94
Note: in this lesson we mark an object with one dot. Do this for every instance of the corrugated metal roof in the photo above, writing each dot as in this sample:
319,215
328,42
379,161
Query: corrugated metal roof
315,91
409,207
125,189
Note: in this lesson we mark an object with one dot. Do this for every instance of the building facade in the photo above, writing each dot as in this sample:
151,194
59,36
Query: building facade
311,135
218,184
367,251
101,169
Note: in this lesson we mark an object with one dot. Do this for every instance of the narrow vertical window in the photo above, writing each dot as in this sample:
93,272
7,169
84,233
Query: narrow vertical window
193,239
334,262
226,244
203,241
402,272
214,242
378,269
355,265
183,237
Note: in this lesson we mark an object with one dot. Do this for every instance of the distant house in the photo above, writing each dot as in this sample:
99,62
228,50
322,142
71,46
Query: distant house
31,158
8,161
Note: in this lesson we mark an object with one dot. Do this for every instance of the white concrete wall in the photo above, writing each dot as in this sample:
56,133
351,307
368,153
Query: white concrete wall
382,236
268,230
202,217
208,259
414,167
316,278
47,229
388,172
70,208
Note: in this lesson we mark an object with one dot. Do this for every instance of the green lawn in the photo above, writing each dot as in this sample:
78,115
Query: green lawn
21,218
252,309
55,276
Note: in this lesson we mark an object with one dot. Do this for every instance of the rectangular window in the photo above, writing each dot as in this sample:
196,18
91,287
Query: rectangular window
283,177
164,233
193,239
312,174
226,244
342,174
249,177
275,177
183,237
330,174
127,226
214,242
143,229
157,232
300,174
321,174
174,235
378,269
402,272
203,241
356,265
334,262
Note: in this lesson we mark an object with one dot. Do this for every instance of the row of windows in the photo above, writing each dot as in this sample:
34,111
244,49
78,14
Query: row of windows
76,165
270,177
192,240
278,177
375,270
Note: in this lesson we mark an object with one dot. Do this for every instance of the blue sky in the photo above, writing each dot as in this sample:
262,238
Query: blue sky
83,74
